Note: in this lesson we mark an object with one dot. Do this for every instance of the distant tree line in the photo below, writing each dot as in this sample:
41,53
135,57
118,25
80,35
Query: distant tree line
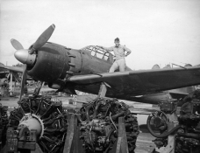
18,65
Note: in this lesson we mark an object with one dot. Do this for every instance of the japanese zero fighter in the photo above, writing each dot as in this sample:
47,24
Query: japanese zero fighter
10,74
5,70
86,69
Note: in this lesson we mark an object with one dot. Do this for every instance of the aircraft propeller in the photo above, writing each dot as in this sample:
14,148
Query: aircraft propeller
16,44
42,39
27,56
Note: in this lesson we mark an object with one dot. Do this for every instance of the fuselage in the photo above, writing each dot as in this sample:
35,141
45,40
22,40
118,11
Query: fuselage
54,64
60,66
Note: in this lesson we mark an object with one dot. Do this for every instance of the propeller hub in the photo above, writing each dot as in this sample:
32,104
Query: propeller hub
24,57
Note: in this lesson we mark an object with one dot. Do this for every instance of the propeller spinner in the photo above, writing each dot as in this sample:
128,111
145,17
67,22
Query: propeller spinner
26,56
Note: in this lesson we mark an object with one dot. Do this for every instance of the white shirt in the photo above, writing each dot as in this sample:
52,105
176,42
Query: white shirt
118,51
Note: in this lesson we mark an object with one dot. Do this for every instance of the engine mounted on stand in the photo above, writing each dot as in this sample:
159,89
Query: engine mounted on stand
39,120
99,125
43,125
178,126
188,136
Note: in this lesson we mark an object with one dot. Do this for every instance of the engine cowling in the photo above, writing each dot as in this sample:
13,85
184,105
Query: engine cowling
51,63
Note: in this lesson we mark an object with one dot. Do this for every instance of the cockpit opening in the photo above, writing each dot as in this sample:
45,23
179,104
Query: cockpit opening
98,52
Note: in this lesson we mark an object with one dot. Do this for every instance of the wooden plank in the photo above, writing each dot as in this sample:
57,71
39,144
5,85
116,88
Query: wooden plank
37,150
75,142
122,134
119,141
70,135
78,143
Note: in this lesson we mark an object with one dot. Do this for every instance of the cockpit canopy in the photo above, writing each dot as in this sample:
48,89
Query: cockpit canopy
98,52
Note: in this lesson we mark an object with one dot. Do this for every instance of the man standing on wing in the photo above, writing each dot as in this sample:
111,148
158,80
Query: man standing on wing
120,55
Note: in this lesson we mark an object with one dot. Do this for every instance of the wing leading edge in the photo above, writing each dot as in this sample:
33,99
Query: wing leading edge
11,68
133,83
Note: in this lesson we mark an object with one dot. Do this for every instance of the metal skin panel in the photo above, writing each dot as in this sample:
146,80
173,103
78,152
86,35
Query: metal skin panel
55,63
10,68
79,70
76,60
51,64
66,69
125,85
93,65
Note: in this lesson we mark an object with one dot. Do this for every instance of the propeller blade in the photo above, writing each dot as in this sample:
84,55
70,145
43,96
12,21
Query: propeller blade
44,37
16,44
23,81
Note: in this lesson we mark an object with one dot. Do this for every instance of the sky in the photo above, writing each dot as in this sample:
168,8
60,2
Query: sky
157,31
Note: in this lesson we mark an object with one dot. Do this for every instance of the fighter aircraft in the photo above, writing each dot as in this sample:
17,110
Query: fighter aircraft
86,69
8,74
5,70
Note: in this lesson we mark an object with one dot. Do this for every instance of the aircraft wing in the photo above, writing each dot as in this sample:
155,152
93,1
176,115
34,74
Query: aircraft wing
11,68
133,83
